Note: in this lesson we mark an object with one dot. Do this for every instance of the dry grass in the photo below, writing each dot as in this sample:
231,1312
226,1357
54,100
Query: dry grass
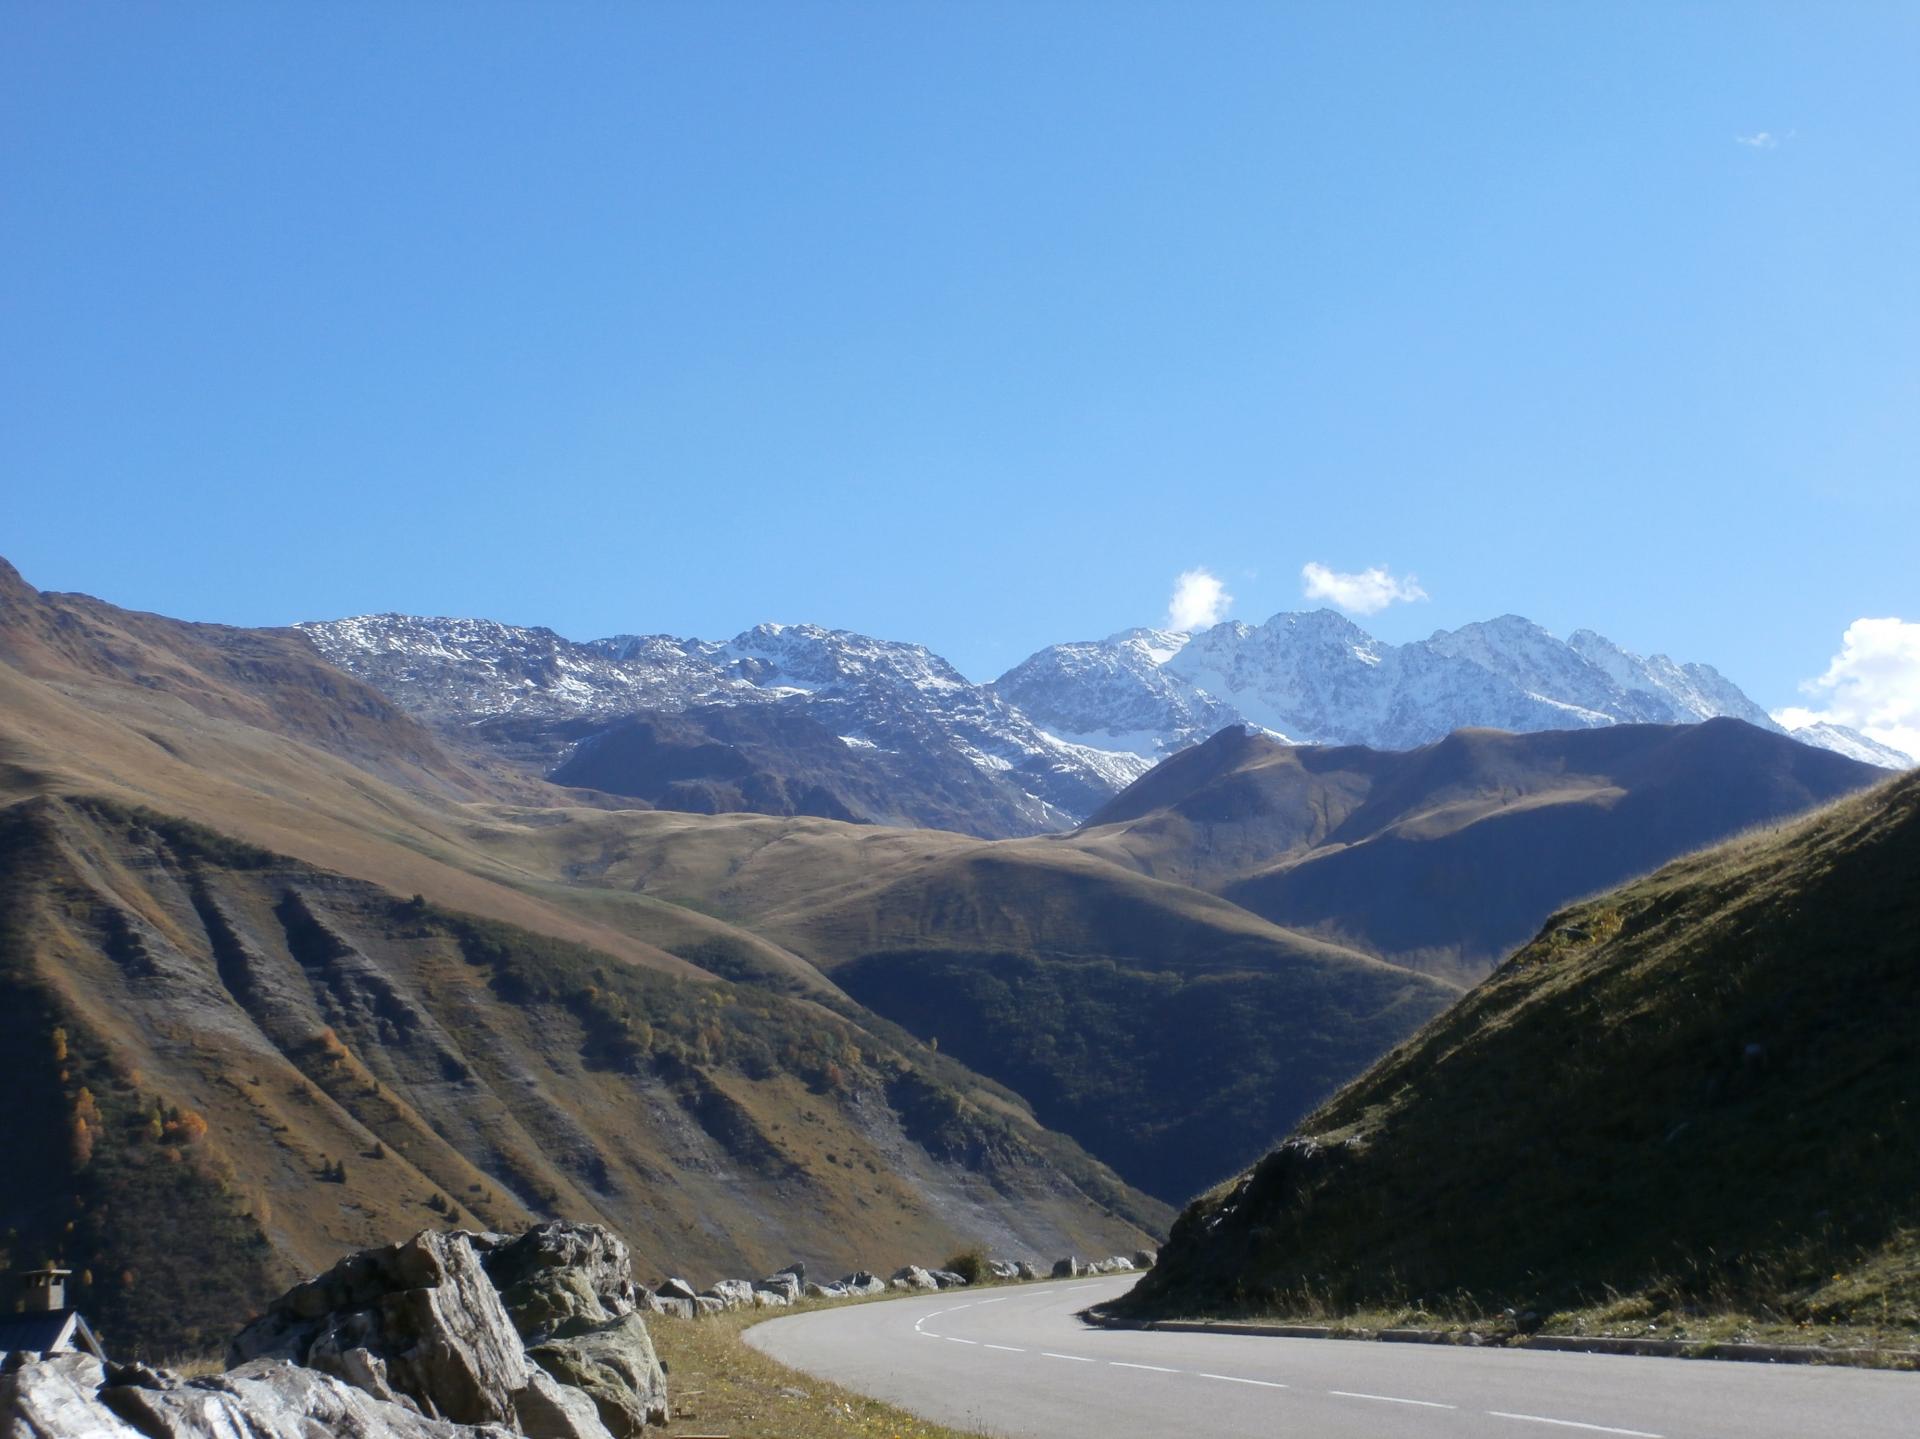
721,1385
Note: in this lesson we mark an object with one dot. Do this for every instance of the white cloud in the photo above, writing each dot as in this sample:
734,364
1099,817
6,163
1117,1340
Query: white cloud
1758,140
1199,601
1365,593
1872,685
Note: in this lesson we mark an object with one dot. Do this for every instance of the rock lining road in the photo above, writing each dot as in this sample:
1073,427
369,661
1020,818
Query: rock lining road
1018,1362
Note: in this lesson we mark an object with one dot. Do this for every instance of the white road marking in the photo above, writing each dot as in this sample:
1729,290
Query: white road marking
1156,1368
1389,1399
1076,1358
924,1335
952,1340
1236,1379
1007,1347
1574,1424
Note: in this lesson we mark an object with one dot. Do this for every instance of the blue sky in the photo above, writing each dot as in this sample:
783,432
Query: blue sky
966,323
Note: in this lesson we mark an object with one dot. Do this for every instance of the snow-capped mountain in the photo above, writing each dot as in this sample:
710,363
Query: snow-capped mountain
1116,694
1318,678
459,671
1852,744
968,749
1046,744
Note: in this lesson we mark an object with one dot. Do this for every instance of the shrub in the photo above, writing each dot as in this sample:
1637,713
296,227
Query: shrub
970,1265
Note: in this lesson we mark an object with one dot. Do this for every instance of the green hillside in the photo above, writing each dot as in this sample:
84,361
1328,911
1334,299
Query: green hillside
1699,1090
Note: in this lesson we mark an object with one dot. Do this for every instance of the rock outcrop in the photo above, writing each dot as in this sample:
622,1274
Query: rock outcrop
540,1333
419,1319
613,1365
569,1290
75,1396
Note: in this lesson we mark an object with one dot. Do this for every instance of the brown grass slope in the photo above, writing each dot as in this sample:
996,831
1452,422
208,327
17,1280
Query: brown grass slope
145,725
1446,857
1170,1031
1075,981
271,680
238,1065
1699,1089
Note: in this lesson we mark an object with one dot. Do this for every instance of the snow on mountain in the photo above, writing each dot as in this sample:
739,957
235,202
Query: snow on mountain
1321,679
898,695
1524,654
1694,691
1115,694
876,694
1062,732
1854,745
461,670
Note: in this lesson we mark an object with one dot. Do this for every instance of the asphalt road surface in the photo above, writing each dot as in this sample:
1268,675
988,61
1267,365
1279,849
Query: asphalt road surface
1016,1362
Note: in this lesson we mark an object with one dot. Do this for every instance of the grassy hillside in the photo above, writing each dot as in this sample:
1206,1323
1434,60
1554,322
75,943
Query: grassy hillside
1447,857
1172,1033
235,1065
1698,1090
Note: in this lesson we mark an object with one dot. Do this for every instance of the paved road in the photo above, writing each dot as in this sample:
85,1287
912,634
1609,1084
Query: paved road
1016,1362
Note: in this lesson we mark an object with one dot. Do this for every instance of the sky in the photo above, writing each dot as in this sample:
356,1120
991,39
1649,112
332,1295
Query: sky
986,326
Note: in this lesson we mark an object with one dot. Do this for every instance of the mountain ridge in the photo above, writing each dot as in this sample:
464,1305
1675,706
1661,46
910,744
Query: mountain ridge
1043,746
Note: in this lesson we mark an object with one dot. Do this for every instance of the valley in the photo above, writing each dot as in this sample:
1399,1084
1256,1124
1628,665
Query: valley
332,916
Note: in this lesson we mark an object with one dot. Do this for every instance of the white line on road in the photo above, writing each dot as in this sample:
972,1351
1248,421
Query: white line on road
1236,1379
1389,1399
1076,1358
1574,1424
951,1340
1156,1368
1009,1348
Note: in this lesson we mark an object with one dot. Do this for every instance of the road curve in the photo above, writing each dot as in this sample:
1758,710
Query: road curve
1016,1362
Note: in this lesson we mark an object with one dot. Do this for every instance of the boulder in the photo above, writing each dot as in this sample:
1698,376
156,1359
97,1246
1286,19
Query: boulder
74,1396
798,1269
548,1409
1144,1259
914,1277
861,1282
782,1283
419,1319
1003,1269
734,1293
770,1299
1025,1270
707,1304
675,1289
678,1308
559,1272
422,1325
1118,1264
825,1291
1069,1268
57,1397
615,1367
947,1279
